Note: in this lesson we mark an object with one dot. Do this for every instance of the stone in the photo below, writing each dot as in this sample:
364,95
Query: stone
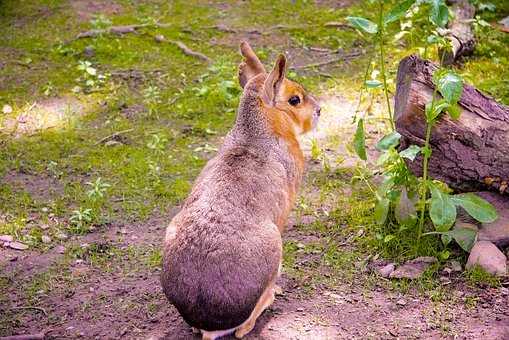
60,249
89,51
455,266
413,269
62,236
386,270
45,239
489,257
6,238
18,245
496,232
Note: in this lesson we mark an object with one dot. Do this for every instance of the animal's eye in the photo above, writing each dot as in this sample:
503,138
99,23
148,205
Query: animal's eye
294,101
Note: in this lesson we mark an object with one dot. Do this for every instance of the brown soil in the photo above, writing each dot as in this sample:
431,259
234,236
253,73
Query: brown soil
120,301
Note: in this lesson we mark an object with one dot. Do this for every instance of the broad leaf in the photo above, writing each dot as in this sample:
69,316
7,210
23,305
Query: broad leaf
388,141
439,13
373,84
411,152
465,237
405,211
475,206
363,24
454,111
381,211
449,84
398,11
442,210
359,141
433,111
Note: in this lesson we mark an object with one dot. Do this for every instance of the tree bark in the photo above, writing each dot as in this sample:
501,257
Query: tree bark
460,32
469,154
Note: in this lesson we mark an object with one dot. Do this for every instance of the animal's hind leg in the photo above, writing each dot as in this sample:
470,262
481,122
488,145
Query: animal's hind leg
265,301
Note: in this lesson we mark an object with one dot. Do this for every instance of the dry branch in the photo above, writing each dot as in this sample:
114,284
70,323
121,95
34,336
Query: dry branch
118,30
183,47
469,154
340,57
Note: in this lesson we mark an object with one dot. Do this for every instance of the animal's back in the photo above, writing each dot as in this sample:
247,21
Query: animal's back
226,249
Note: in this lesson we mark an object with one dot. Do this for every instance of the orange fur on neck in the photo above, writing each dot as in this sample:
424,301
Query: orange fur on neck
283,126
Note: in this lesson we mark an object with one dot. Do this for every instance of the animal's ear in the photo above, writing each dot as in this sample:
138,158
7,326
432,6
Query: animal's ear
274,81
250,66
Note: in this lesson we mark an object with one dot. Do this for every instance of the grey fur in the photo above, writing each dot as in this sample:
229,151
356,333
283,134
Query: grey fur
227,247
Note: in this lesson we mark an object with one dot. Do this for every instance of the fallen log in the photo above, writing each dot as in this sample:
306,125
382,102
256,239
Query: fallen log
469,154
460,32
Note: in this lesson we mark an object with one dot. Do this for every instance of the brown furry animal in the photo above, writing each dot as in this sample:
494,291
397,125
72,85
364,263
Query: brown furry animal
223,251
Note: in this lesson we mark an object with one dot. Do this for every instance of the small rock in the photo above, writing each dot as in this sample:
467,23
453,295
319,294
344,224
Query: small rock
300,309
7,109
123,231
307,219
401,302
413,269
504,291
301,245
504,22
112,143
44,226
60,249
387,270
6,238
489,257
62,236
45,239
89,51
18,245
159,38
455,266
13,259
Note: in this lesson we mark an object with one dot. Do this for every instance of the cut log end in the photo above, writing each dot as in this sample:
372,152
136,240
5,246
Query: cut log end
469,154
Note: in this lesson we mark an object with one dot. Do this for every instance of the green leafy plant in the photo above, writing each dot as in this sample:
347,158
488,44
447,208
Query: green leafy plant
90,79
402,198
98,189
81,220
157,143
152,98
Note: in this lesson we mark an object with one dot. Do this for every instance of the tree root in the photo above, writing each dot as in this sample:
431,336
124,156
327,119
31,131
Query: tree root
119,30
341,57
183,47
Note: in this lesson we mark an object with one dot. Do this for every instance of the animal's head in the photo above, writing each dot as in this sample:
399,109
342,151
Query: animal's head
285,101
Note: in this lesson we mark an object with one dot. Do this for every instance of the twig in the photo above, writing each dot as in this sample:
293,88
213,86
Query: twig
116,134
117,30
37,336
183,47
42,310
330,61
335,24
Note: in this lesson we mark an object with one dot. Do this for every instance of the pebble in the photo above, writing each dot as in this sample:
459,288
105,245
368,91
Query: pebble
401,302
45,239
6,238
60,249
18,245
62,236
387,270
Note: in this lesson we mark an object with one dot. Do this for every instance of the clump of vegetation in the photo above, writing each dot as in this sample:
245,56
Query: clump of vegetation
403,199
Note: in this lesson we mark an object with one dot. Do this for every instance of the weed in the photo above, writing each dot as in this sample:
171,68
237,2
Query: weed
478,277
81,220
